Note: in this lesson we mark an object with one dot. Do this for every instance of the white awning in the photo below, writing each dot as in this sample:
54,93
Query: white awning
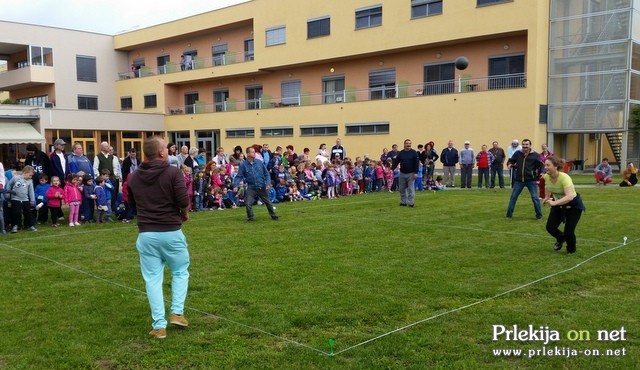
19,133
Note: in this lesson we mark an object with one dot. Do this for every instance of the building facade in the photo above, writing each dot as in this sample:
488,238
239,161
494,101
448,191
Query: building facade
374,73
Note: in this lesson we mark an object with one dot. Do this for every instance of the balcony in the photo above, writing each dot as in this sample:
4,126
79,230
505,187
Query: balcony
196,63
33,75
462,85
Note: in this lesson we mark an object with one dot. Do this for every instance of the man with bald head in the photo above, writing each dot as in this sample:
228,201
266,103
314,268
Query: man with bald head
159,193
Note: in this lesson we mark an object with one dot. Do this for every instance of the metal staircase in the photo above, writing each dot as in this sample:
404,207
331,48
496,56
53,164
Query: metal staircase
615,142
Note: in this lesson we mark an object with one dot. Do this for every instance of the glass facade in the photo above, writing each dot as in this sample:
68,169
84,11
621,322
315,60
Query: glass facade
589,65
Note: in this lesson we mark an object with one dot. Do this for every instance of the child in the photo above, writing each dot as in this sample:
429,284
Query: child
108,188
73,197
227,198
331,182
281,191
303,190
23,199
240,194
89,198
188,181
55,195
42,203
378,176
216,199
430,184
419,186
101,198
199,187
388,176
271,193
439,185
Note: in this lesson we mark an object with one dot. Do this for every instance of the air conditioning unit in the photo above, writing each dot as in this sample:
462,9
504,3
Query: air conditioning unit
338,99
49,105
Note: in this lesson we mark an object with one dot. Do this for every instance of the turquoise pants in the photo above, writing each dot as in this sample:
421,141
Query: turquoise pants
156,249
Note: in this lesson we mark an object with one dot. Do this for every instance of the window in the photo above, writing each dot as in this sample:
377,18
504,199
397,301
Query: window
163,61
248,50
333,89
370,128
218,52
291,93
150,101
87,102
425,8
439,79
276,35
86,69
253,95
240,132
382,84
189,59
126,103
324,130
506,72
491,2
276,131
190,100
318,27
41,56
369,17
220,100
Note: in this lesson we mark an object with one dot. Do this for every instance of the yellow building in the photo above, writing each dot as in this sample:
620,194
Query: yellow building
374,73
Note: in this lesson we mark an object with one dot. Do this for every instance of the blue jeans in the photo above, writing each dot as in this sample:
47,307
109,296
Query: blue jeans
156,249
518,186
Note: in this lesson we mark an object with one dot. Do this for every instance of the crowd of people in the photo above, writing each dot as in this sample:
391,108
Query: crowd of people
93,189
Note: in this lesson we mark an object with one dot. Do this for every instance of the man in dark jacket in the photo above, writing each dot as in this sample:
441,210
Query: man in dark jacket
449,158
254,173
39,161
159,192
409,161
527,168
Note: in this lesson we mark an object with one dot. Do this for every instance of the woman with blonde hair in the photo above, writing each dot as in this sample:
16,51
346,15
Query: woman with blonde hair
629,175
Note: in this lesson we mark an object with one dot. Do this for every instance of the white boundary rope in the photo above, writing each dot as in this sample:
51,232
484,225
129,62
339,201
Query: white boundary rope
310,347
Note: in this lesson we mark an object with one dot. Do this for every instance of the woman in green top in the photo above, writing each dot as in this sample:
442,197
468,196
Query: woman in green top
566,204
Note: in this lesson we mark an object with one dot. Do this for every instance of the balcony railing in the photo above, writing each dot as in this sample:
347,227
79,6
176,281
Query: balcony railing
401,90
196,63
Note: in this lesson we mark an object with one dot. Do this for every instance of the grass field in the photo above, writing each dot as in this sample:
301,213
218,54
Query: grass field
389,286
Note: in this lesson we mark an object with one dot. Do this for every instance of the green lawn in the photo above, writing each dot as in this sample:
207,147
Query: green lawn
390,286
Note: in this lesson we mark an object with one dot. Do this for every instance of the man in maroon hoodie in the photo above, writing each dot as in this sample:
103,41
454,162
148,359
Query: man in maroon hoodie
160,195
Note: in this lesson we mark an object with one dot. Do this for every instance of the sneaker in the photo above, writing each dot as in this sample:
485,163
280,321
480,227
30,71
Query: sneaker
61,218
557,246
275,218
178,320
159,333
250,219
71,224
125,221
55,225
32,228
14,229
76,223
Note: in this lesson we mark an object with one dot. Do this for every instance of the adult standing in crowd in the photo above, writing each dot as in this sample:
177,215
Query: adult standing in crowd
526,165
497,166
237,154
39,161
266,155
323,154
77,161
255,175
105,160
467,159
130,163
514,147
391,155
183,155
161,213
190,159
431,156
449,158
409,162
172,155
220,158
483,160
566,204
201,158
338,151
58,161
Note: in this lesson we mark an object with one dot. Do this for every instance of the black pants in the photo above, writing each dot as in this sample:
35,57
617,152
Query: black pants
260,193
497,169
43,213
570,217
20,209
55,212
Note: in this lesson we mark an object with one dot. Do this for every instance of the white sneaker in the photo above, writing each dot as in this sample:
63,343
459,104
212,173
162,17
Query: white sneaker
71,224
76,223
